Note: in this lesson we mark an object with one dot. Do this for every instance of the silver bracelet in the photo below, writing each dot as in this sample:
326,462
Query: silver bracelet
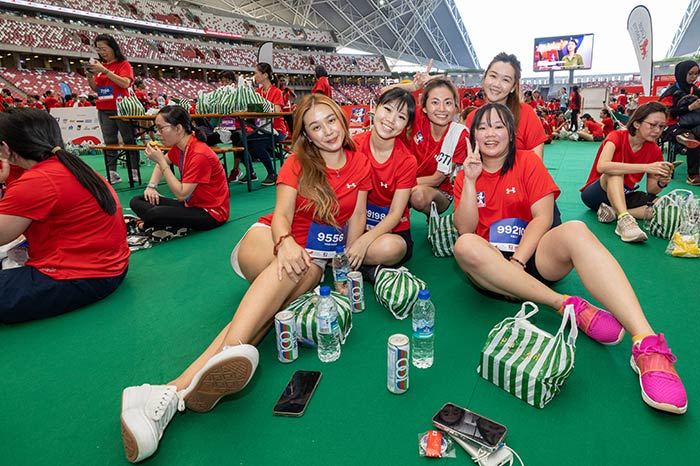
152,185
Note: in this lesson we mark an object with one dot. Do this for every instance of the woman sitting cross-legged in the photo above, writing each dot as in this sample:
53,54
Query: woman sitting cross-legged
621,162
202,195
509,247
321,193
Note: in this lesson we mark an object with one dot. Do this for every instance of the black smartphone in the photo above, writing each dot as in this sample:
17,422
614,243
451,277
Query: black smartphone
297,393
466,425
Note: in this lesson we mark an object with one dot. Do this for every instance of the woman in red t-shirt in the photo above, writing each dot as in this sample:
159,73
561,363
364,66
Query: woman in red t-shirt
321,201
606,121
69,215
620,164
322,86
592,130
510,248
111,78
437,141
387,240
501,85
201,192
575,107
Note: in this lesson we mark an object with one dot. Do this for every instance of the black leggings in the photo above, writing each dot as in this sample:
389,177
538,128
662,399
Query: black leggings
172,213
574,120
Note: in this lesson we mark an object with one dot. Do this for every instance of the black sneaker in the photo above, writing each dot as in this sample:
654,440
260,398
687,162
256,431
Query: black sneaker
161,235
271,180
244,178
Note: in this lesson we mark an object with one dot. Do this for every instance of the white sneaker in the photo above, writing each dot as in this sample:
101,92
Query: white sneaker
146,412
628,230
606,214
135,175
114,177
225,373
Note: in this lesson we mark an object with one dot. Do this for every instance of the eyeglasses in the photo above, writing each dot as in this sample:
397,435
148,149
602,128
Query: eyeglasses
160,129
661,126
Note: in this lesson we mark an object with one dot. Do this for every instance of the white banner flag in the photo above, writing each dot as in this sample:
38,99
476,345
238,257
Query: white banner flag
639,27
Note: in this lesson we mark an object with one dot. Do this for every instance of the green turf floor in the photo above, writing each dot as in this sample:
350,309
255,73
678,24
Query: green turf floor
63,377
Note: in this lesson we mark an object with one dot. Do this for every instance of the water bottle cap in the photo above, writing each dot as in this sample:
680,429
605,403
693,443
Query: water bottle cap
424,294
340,248
325,291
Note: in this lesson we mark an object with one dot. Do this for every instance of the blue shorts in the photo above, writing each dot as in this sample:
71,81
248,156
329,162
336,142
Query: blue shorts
27,294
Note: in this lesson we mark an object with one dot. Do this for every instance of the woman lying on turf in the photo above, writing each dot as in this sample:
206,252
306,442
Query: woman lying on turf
321,198
509,247
201,191
70,216
623,158
387,240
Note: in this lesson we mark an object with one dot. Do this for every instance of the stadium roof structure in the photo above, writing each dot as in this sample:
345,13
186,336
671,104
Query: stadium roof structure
409,30
686,41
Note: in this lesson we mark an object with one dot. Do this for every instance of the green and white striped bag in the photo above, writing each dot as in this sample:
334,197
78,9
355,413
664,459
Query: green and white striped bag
527,362
397,290
130,106
667,213
442,233
304,309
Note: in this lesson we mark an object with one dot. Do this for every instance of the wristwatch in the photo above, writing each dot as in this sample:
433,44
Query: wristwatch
152,185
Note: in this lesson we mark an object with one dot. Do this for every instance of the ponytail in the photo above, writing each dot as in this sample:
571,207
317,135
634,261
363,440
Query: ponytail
90,180
199,134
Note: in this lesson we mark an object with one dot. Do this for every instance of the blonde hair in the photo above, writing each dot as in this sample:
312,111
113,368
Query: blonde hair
313,183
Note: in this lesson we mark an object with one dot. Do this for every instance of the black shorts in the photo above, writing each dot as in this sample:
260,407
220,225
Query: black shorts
530,268
406,235
594,195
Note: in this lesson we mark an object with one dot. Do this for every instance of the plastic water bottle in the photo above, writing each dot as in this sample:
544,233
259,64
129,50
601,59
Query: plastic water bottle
119,101
161,101
327,328
423,340
341,268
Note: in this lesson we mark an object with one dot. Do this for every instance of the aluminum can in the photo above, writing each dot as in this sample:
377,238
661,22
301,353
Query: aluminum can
398,362
356,292
285,328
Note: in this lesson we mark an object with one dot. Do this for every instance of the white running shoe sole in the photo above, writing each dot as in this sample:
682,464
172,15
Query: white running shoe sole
224,374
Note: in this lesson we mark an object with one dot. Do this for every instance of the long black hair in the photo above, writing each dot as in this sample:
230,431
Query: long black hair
33,134
177,115
112,44
506,116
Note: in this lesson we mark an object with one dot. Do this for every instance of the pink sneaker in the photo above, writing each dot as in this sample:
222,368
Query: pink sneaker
662,389
598,324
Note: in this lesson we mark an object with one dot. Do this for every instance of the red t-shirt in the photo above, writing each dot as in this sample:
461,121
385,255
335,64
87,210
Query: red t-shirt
84,104
608,126
398,172
274,95
51,102
648,153
594,128
347,182
202,166
426,149
529,133
322,86
505,201
70,235
107,91
574,104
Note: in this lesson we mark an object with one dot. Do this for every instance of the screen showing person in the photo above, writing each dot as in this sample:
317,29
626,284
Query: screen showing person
572,52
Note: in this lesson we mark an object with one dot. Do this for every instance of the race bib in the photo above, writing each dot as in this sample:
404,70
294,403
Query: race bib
507,233
444,162
105,92
323,239
375,215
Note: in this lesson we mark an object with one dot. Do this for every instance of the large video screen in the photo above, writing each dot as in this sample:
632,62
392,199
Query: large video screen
573,52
